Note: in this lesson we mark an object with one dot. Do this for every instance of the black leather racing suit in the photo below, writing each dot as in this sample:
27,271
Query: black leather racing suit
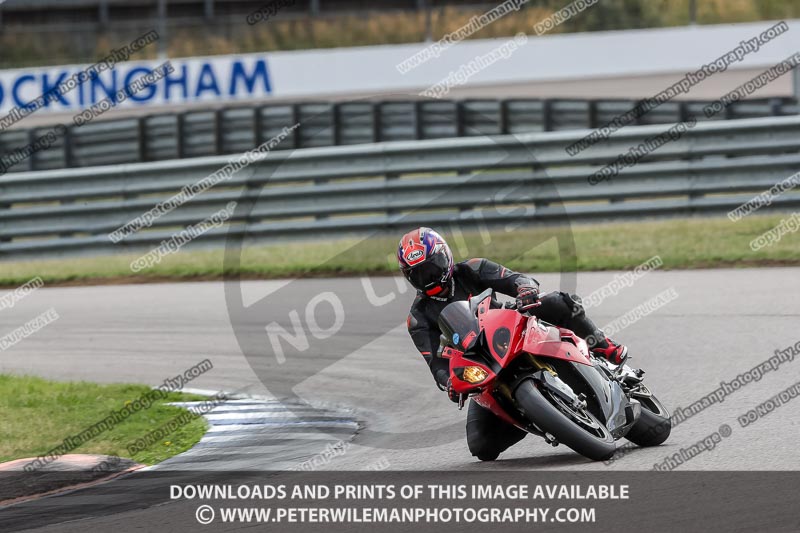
473,277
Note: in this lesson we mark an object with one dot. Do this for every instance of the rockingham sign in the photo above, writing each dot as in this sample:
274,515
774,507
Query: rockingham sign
372,70
219,78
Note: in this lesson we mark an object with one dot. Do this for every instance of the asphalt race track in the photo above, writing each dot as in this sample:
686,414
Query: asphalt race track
723,323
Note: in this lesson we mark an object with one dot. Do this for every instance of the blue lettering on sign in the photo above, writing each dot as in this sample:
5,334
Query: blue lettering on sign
147,92
109,90
180,80
84,85
248,77
15,90
207,81
259,73
81,101
50,90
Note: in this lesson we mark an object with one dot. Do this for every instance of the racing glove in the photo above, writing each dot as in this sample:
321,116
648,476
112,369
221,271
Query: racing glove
452,394
527,298
442,378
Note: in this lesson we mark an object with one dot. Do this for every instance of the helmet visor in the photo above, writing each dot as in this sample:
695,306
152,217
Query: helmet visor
429,273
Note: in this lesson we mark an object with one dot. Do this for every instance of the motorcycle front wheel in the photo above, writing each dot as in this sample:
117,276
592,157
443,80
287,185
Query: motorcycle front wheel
576,428
654,424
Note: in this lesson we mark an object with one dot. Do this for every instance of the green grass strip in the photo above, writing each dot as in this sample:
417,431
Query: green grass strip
37,415
681,243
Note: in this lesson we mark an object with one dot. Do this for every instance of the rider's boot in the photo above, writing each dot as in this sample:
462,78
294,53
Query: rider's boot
611,351
617,354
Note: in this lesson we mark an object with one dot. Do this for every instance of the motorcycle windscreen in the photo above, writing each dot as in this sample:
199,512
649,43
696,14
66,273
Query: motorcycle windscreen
458,325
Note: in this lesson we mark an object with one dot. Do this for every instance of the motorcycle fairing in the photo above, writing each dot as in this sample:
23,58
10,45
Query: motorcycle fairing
618,412
555,342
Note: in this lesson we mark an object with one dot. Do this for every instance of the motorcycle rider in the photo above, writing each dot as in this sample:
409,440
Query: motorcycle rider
427,263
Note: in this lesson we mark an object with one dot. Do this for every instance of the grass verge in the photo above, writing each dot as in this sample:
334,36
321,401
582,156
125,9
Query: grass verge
36,415
681,243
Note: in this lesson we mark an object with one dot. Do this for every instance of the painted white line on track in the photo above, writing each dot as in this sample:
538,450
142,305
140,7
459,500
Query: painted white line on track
262,434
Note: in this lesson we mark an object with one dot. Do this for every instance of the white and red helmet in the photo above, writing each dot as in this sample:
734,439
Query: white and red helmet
425,260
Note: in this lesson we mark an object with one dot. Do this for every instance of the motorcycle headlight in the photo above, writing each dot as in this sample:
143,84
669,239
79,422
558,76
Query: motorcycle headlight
474,374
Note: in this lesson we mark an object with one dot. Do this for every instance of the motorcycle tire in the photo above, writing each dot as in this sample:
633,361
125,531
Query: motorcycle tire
654,424
553,420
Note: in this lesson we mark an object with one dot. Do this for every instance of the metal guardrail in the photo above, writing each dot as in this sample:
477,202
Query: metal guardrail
236,129
335,191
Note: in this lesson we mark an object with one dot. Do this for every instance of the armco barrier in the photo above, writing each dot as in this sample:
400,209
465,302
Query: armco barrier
334,191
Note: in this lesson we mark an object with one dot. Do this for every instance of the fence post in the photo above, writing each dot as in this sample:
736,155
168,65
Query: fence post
32,139
219,132
459,118
69,150
639,116
730,112
179,141
102,14
592,114
418,128
336,119
547,114
296,120
796,83
683,111
141,140
504,117
377,124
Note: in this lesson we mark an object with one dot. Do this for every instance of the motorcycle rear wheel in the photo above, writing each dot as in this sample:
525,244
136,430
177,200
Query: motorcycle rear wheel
579,430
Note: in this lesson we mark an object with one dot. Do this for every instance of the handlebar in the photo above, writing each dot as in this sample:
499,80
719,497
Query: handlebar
513,305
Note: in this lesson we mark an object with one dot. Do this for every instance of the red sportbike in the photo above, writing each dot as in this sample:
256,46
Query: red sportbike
543,380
